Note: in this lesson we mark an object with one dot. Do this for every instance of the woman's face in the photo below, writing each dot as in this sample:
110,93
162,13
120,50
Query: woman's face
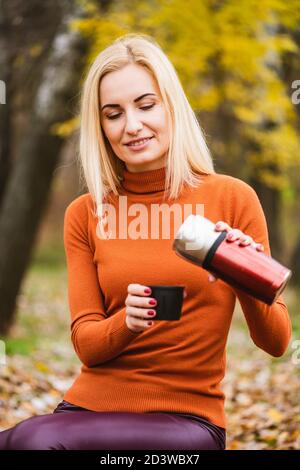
132,108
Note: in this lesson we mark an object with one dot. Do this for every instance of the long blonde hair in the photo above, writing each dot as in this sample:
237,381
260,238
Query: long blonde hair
188,154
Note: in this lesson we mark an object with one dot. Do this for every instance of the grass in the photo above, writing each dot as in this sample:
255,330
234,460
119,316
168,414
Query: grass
42,306
22,346
48,258
240,345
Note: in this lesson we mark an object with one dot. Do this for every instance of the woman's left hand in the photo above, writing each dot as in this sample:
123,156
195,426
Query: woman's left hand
233,235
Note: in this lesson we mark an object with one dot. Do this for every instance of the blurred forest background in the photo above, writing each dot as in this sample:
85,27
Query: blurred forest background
239,63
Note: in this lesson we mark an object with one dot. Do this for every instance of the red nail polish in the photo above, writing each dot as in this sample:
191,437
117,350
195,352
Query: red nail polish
151,312
150,323
147,291
152,302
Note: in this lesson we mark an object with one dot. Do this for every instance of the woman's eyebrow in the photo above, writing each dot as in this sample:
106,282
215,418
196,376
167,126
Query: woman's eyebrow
135,101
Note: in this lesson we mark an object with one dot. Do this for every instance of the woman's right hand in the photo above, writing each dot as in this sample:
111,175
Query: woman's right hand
138,307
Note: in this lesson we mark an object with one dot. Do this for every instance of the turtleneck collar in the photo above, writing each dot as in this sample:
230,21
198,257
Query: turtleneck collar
149,181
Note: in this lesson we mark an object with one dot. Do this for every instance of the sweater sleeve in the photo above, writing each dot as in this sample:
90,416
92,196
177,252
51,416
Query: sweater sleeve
269,325
96,337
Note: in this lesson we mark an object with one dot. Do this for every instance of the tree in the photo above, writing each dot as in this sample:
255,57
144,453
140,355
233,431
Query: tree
42,60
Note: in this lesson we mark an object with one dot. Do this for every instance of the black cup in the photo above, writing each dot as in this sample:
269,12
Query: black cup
169,301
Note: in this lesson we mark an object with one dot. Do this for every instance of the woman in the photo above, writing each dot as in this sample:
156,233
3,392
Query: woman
146,384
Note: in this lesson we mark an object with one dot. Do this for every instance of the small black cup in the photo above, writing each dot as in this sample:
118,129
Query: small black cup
169,301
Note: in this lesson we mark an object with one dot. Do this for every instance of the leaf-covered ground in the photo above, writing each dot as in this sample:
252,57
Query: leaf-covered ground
263,393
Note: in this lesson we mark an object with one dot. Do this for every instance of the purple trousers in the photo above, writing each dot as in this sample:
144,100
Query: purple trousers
71,427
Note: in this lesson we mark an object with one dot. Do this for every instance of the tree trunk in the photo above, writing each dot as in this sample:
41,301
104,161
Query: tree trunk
27,191
271,202
6,59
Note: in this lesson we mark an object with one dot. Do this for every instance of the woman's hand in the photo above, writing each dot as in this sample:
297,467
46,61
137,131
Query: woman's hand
139,307
232,235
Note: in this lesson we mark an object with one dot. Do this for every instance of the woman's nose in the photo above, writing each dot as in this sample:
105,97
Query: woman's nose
133,124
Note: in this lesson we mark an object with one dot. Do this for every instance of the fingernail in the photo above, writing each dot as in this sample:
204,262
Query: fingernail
150,323
230,236
151,312
218,225
147,291
152,302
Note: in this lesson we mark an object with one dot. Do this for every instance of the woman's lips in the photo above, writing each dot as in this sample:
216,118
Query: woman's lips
141,146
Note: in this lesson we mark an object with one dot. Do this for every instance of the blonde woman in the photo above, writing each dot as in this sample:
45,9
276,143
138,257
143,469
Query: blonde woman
147,384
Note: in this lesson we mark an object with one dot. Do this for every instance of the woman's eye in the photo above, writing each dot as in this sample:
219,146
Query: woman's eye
148,107
115,116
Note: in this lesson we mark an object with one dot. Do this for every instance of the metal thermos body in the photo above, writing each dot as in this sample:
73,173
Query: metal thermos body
243,267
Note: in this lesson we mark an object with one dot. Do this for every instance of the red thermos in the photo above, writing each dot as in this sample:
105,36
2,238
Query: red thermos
240,266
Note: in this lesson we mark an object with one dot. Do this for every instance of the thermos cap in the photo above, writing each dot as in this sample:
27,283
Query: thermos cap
195,237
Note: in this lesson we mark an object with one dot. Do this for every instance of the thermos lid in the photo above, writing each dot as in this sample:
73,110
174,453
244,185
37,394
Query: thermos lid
194,238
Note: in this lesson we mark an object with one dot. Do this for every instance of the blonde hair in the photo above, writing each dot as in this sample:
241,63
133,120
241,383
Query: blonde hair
188,154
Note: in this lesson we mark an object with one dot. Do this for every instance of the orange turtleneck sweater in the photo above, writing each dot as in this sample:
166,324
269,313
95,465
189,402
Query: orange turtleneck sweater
174,366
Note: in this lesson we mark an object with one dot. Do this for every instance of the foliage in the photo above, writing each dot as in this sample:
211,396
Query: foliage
229,58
